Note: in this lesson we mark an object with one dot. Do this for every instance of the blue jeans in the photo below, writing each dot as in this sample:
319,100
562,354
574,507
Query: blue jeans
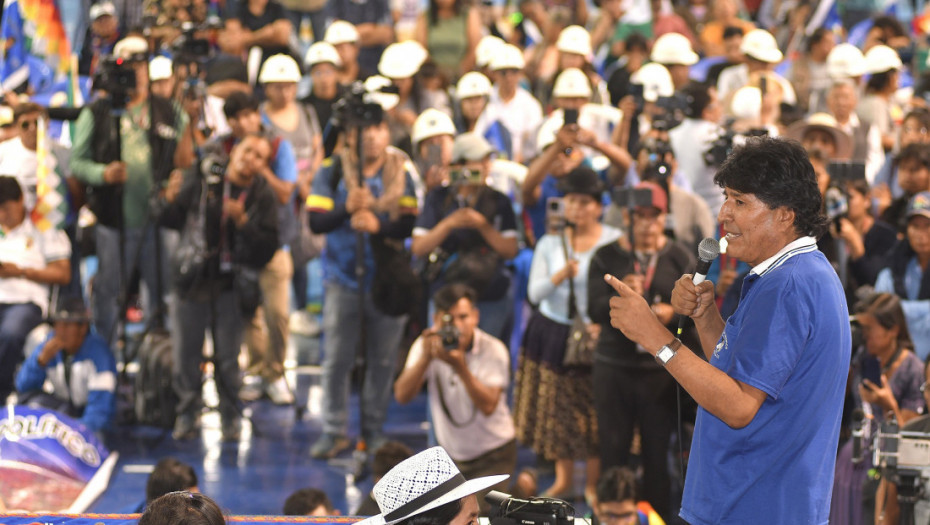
106,288
341,337
192,318
16,321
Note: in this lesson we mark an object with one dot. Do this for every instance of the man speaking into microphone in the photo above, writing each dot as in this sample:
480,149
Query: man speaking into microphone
771,389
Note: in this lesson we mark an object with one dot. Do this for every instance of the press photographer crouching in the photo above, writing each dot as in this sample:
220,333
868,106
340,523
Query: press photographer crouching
228,220
122,170
466,372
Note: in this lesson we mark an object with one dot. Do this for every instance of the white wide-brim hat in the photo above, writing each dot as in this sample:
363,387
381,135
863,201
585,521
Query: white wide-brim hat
423,482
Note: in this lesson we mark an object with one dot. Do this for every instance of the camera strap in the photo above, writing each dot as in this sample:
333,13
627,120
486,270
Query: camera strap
445,408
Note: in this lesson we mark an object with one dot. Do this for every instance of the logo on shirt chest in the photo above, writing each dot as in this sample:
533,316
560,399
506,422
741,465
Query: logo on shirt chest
721,345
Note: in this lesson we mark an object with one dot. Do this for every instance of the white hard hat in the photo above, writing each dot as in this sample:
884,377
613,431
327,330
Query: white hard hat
101,9
373,85
322,52
746,103
159,68
656,81
430,123
340,32
760,45
546,134
508,56
472,84
572,83
486,49
279,68
129,46
673,49
574,39
882,58
402,59
845,61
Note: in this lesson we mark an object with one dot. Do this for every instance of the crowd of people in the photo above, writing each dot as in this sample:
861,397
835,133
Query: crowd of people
483,184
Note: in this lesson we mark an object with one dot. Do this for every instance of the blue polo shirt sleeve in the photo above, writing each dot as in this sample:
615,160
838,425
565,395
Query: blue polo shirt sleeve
771,337
101,387
31,375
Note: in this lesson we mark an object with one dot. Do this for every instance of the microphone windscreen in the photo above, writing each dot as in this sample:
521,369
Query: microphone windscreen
708,249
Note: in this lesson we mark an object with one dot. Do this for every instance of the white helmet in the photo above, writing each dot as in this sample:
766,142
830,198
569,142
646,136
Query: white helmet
402,59
472,84
656,81
572,83
845,61
760,45
882,58
508,56
279,68
373,85
322,52
431,123
486,49
159,68
746,103
574,39
673,49
130,46
340,32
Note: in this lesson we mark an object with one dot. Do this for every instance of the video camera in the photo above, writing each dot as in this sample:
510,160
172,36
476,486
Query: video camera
116,76
657,169
507,510
671,113
727,139
836,198
904,458
357,108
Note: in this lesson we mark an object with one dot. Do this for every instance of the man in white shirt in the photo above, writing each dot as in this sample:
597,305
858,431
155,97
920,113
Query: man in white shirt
512,105
466,372
694,137
762,56
867,139
30,260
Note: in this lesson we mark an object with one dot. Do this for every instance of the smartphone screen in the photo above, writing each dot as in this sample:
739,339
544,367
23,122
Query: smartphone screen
571,116
871,369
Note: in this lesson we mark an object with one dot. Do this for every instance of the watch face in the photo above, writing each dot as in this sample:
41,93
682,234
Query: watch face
664,354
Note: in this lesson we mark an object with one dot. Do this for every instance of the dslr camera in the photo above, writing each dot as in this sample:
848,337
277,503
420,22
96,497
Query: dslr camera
507,510
448,333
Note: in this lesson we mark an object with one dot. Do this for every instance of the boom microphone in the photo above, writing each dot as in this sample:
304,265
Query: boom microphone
708,250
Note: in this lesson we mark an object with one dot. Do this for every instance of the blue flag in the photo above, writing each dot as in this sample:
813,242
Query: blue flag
14,69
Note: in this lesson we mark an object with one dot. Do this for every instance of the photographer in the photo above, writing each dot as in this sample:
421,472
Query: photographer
694,137
120,191
235,219
466,371
342,206
471,230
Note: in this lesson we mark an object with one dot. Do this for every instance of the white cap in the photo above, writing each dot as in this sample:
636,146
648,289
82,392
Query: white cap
472,84
656,81
159,68
431,123
508,56
673,49
279,68
572,83
845,61
373,85
882,58
129,46
402,59
101,9
760,45
746,103
486,49
340,32
322,52
546,134
574,39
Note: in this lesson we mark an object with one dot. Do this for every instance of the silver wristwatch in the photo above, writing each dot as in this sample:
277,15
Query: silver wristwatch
667,352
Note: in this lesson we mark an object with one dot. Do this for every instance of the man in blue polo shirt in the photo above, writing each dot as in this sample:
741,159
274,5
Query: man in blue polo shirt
771,390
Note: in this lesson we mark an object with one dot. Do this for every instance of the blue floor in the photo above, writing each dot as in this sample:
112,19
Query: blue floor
256,474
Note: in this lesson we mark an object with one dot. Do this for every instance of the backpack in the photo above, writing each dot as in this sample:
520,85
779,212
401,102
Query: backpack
155,399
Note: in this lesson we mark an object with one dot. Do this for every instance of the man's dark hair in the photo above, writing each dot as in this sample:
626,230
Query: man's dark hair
636,41
698,96
889,23
732,31
238,101
779,173
616,484
24,108
916,152
879,81
10,190
446,297
183,508
816,37
388,456
170,475
304,501
441,515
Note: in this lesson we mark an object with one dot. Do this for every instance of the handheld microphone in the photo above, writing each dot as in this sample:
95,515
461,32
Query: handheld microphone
708,250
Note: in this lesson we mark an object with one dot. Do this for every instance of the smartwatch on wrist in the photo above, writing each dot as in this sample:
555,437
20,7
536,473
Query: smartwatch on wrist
667,352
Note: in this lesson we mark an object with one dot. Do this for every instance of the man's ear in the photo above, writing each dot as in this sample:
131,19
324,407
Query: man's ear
785,217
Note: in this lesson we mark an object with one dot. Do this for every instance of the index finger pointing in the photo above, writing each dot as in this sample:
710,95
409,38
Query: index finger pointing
618,285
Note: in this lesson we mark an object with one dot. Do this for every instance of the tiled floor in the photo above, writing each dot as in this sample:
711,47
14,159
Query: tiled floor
255,475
